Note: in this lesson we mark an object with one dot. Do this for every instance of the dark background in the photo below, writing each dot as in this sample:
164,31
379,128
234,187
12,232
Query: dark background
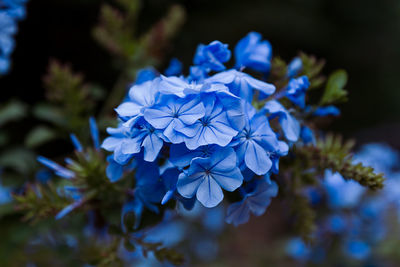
359,36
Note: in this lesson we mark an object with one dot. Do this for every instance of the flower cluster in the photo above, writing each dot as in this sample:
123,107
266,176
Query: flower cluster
360,220
207,132
10,12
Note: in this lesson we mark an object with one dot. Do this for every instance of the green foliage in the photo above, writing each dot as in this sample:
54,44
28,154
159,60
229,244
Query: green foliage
12,111
331,153
39,135
72,99
40,201
334,90
312,68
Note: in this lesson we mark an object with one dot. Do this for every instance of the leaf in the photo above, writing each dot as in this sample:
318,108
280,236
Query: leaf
49,113
19,159
12,111
39,136
334,90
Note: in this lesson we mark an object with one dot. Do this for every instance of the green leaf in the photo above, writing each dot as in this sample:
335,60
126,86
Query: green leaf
39,136
334,90
19,159
12,111
49,113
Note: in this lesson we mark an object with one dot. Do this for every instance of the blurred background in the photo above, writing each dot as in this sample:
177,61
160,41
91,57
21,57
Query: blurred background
359,36
362,37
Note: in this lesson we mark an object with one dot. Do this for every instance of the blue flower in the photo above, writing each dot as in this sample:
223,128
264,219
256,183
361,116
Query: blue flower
212,56
175,68
307,135
147,193
256,142
146,74
296,90
174,114
254,53
181,156
242,84
297,249
290,126
141,97
8,28
256,201
213,128
206,176
294,67
125,142
180,87
327,111
342,193
198,74
357,249
283,150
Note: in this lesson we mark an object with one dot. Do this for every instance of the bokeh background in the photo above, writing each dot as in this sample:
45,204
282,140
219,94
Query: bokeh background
362,37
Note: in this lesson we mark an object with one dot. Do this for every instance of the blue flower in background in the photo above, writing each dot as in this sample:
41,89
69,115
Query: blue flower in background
206,176
175,68
254,53
242,84
296,91
327,111
290,126
342,193
255,201
357,249
10,13
294,67
212,56
297,249
173,115
146,74
307,135
256,142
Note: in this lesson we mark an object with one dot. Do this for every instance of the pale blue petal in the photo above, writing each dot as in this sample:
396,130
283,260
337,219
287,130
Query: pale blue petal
152,145
257,159
187,185
238,213
209,193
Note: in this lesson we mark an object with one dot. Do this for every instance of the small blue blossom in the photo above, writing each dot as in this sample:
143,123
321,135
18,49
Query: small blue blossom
242,84
58,169
296,90
307,135
213,128
175,68
212,56
141,97
294,67
145,75
206,176
327,111
255,201
256,142
254,53
297,249
357,249
173,115
342,193
290,125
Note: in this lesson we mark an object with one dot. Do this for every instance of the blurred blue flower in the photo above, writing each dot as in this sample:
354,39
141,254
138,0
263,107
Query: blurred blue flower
175,68
296,91
212,56
327,111
254,53
256,201
294,67
297,249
